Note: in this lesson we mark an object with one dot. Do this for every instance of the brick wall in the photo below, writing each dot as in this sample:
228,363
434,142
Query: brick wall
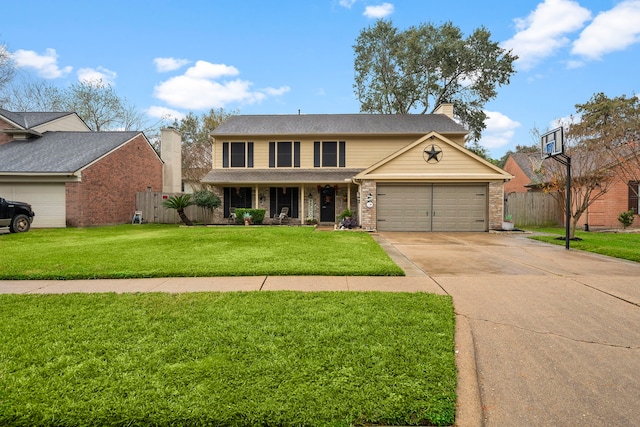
517,184
496,205
107,191
369,216
603,212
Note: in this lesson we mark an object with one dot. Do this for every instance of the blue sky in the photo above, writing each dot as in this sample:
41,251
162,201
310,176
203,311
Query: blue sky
278,57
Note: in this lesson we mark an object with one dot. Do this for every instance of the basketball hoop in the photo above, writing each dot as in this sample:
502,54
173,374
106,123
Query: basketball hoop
552,146
552,143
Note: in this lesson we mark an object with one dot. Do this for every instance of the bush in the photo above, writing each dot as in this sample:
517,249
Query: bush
206,199
256,214
626,218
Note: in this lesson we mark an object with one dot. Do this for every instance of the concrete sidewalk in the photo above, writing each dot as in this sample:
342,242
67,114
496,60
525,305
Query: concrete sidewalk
224,284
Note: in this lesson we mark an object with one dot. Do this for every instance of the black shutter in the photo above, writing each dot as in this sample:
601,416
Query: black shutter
225,154
273,201
316,154
296,154
227,201
294,202
249,154
342,154
272,154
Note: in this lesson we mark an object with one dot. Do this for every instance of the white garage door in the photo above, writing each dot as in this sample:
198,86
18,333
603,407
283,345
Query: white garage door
432,207
46,200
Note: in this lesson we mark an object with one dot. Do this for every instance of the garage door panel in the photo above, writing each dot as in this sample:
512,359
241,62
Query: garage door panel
460,207
432,207
404,208
46,199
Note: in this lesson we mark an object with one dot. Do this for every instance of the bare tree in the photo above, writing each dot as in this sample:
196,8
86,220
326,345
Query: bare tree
590,176
196,143
7,70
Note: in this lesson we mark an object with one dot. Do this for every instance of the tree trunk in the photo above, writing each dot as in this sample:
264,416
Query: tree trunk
184,217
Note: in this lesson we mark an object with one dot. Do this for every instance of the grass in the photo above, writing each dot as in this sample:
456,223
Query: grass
227,359
151,250
618,245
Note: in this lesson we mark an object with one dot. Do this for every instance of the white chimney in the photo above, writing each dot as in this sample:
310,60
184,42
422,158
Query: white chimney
171,154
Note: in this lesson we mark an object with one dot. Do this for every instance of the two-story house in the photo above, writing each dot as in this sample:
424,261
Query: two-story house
394,172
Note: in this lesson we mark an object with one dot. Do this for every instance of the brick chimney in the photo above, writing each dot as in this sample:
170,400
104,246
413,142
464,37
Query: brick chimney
171,154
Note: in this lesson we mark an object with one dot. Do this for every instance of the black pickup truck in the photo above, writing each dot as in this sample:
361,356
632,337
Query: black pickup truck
15,215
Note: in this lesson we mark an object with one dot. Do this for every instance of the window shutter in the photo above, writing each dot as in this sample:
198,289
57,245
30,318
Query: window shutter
249,154
342,154
273,201
225,154
296,154
272,154
316,154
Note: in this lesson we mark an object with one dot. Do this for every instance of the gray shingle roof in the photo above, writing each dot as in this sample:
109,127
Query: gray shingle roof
280,176
59,152
338,124
31,119
527,162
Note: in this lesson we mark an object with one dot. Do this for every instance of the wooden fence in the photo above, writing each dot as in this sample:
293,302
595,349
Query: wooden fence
533,209
152,210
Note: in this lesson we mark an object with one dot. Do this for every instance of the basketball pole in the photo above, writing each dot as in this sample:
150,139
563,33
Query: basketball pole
566,160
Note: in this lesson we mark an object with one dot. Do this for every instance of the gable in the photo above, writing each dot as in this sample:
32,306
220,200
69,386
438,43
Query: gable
434,157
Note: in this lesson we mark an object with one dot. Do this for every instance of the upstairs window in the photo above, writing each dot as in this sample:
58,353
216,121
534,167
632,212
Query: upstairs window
329,154
284,154
237,154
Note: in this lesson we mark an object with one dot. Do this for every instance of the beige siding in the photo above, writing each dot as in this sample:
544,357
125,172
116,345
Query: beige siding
361,152
70,123
454,164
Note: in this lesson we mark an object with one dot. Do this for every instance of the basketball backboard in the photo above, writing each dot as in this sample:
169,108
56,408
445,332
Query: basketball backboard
552,143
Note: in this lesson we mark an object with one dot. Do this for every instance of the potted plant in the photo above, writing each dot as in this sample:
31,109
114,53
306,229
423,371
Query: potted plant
507,224
247,218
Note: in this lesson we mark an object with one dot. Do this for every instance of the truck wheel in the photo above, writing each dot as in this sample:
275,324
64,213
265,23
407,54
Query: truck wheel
20,223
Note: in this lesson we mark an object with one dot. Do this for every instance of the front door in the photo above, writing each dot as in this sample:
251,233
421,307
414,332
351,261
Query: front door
327,204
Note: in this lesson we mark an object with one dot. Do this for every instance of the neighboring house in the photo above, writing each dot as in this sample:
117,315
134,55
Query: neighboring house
71,175
393,172
621,195
522,167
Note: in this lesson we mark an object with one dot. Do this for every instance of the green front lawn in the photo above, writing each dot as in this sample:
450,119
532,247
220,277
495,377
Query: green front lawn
618,245
152,250
226,359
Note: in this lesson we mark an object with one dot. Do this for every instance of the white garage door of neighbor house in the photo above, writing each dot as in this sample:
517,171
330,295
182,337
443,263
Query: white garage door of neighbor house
46,200
432,207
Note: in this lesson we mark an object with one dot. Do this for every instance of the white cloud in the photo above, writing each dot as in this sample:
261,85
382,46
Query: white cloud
612,30
200,88
347,3
164,113
97,74
169,64
544,31
380,11
499,131
46,65
207,70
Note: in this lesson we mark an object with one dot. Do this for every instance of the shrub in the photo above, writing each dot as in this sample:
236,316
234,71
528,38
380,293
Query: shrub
256,214
206,199
626,218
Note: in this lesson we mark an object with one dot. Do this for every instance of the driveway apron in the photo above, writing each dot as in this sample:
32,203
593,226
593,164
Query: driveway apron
555,333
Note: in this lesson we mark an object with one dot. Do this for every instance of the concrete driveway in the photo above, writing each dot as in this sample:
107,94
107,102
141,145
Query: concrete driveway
545,336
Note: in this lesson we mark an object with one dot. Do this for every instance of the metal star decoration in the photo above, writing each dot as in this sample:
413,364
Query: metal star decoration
433,155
